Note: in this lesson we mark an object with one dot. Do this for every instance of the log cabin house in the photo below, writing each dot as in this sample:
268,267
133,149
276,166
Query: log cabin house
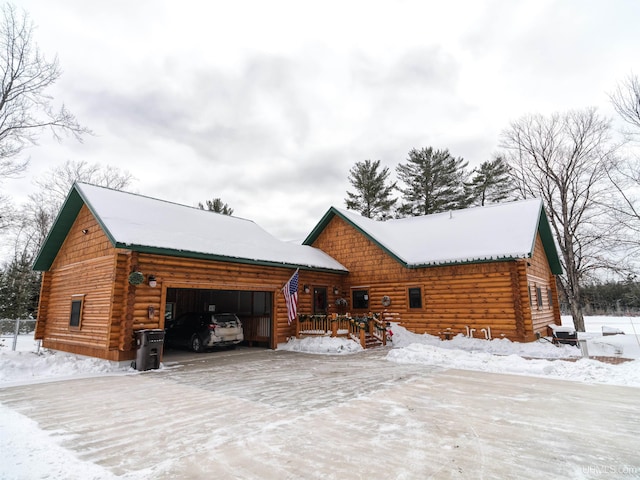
115,263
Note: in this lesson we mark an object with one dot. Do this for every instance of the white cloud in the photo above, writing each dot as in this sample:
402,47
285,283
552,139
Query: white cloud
268,104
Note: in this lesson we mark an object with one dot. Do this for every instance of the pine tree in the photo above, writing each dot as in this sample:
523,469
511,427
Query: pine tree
490,183
434,182
19,288
216,205
372,197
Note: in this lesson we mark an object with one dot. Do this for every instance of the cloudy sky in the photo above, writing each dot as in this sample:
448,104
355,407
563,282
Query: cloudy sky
269,104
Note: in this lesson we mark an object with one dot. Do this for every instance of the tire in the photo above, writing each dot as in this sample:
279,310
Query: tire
196,344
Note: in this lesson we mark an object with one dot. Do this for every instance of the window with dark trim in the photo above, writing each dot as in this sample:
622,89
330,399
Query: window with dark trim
360,299
76,311
539,297
415,297
550,297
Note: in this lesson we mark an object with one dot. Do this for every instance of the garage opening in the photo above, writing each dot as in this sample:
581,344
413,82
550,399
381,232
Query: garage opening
252,307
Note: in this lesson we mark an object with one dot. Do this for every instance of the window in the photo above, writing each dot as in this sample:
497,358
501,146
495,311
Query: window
415,297
539,297
550,297
76,311
169,311
360,299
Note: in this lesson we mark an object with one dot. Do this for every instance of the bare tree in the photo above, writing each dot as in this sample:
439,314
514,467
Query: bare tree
626,100
26,109
625,209
55,184
7,213
41,210
564,159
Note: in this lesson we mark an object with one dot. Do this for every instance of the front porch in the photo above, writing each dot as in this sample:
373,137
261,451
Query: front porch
368,330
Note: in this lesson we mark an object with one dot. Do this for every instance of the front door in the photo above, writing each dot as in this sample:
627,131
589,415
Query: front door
320,300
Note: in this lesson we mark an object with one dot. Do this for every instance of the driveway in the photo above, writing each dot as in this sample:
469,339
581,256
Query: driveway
252,413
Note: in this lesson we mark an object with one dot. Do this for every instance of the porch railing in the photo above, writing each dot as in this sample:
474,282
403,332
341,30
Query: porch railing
368,330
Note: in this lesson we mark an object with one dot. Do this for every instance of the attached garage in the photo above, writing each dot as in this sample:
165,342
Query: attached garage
253,307
115,263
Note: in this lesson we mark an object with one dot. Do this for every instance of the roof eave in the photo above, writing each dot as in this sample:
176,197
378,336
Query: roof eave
466,262
221,258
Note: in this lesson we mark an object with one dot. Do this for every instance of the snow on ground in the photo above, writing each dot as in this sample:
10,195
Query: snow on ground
29,365
540,358
321,345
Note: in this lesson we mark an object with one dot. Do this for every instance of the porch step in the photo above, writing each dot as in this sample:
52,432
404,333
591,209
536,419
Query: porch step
371,342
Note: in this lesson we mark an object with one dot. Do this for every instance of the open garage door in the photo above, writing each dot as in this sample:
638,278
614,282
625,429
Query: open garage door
254,309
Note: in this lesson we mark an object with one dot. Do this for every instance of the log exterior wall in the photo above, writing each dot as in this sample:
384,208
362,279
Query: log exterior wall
84,268
476,296
543,291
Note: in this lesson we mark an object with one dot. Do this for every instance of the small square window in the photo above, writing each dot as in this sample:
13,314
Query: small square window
415,297
360,299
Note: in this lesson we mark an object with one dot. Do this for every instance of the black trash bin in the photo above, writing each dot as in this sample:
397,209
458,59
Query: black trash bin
149,343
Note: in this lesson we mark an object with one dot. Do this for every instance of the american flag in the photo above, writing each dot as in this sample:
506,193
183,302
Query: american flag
290,291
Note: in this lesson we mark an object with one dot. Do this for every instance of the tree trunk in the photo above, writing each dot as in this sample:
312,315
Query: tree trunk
571,292
576,313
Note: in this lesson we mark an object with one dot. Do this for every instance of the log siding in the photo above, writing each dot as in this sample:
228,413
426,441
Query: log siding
455,298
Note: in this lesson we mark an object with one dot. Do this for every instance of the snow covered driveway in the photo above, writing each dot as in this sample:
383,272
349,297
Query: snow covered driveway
248,414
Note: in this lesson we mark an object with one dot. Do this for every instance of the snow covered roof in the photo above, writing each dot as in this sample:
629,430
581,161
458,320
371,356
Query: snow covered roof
150,225
495,232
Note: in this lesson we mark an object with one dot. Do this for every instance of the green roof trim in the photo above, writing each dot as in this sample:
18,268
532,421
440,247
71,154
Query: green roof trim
58,233
324,221
548,242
